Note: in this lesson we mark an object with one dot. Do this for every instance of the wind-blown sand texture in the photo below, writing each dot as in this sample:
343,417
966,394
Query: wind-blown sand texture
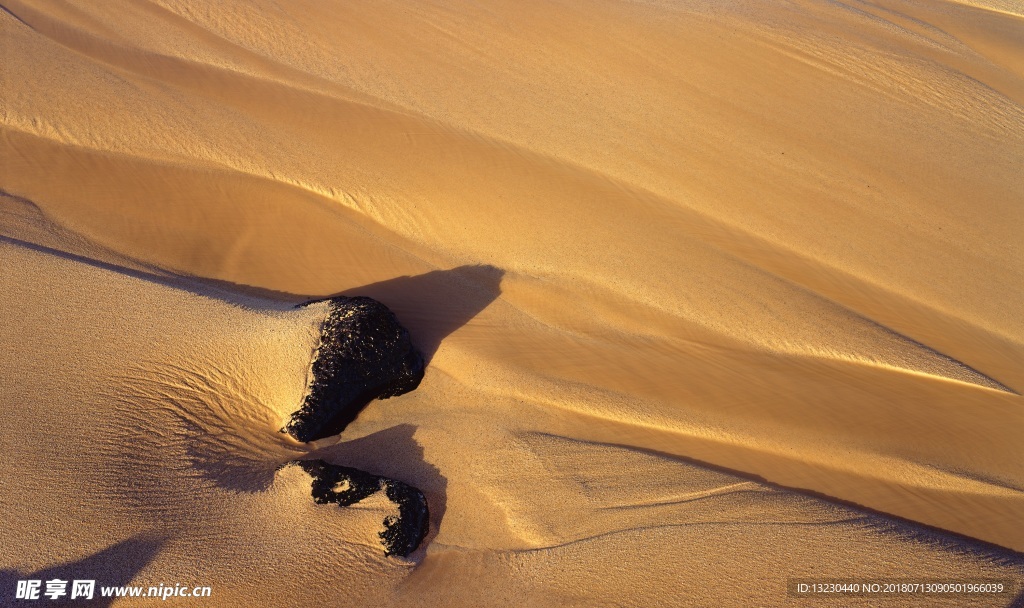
654,252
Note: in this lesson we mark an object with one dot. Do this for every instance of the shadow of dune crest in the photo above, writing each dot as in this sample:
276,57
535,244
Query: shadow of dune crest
115,566
870,518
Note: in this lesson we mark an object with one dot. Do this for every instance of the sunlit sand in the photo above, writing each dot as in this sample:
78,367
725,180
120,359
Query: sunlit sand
712,295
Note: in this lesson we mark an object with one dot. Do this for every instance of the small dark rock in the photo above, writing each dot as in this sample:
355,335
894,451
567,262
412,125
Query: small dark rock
364,354
343,486
346,486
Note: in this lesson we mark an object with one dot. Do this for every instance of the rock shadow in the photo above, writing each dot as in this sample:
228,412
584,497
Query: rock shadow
435,304
394,453
115,566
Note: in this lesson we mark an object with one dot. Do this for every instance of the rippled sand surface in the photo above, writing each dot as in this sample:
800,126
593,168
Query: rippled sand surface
714,294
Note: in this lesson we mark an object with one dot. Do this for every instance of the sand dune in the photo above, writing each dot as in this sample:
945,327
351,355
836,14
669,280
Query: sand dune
636,241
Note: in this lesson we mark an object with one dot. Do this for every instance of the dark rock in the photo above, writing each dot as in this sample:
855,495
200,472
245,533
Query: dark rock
340,485
402,534
364,354
346,486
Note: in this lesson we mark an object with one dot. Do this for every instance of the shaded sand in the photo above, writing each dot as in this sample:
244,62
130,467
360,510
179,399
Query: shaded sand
634,240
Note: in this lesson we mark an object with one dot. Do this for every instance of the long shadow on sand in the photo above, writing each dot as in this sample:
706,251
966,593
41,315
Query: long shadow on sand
114,566
245,295
430,305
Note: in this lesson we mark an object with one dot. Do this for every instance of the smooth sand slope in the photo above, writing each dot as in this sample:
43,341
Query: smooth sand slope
634,239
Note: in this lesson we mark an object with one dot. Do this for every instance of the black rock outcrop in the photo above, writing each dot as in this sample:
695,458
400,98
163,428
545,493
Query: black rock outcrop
364,354
345,486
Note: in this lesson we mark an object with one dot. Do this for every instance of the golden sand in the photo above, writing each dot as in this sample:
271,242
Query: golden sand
636,240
